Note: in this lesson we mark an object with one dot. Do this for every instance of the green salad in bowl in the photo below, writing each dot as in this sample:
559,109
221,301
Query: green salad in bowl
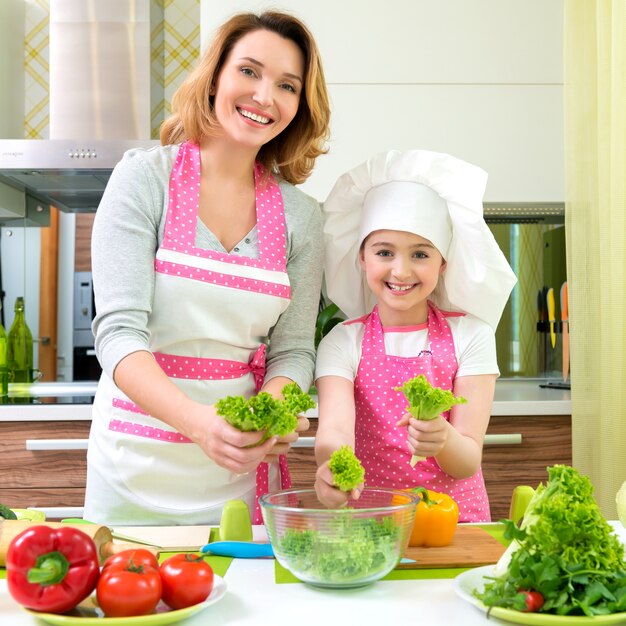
347,547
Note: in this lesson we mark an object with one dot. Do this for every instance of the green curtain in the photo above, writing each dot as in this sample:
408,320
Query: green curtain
595,197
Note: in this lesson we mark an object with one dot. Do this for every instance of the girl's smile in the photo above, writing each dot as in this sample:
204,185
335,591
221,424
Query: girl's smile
402,270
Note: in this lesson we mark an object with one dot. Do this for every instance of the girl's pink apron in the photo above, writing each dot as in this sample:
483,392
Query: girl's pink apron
380,445
211,315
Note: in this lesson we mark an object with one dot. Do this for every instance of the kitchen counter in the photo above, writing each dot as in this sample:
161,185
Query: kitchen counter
253,598
72,401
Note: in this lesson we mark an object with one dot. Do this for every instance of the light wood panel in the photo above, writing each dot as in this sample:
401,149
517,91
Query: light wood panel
41,469
546,441
82,252
37,497
48,289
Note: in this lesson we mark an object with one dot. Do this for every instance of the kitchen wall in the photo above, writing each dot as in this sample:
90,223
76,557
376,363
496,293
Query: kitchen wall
482,80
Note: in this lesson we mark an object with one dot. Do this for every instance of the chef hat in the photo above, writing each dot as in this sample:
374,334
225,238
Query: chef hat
431,194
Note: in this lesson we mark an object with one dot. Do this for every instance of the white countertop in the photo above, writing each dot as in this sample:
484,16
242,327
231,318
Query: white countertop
512,397
253,599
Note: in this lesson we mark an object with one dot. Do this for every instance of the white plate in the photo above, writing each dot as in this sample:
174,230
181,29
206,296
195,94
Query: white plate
86,614
474,579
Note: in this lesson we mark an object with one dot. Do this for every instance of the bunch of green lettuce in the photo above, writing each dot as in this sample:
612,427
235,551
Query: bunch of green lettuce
264,412
346,469
349,550
427,402
565,550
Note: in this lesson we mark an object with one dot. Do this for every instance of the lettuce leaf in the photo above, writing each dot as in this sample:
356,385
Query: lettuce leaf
565,549
427,402
264,412
346,469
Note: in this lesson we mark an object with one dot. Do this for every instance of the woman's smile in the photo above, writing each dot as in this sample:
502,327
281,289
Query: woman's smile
253,116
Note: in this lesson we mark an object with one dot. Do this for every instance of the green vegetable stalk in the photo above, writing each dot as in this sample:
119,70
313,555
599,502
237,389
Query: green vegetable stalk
6,512
565,550
427,402
346,469
264,412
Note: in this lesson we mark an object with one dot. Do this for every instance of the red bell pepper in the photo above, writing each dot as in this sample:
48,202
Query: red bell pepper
51,569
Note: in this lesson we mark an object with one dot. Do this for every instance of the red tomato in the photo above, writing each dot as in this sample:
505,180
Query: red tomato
136,557
534,600
124,590
187,579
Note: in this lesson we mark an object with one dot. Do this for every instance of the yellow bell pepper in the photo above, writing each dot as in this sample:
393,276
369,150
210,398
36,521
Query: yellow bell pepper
436,518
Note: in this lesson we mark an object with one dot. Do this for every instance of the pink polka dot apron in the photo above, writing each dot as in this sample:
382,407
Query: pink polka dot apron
210,318
380,445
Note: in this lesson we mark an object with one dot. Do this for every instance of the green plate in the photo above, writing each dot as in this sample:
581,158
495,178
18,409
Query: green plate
30,515
467,582
86,613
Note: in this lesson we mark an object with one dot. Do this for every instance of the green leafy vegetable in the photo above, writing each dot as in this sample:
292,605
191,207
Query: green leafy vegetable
6,513
565,550
351,549
264,412
427,402
295,400
346,469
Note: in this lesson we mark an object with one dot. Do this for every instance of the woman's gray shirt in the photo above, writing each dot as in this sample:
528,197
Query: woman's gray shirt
127,231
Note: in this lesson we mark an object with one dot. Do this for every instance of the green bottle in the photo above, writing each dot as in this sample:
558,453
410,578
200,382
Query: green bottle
4,363
20,346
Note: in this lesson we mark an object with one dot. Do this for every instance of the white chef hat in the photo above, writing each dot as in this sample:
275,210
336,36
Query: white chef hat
430,194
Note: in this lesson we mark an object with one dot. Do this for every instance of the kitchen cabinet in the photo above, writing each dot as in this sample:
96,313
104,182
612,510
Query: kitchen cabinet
518,448
44,464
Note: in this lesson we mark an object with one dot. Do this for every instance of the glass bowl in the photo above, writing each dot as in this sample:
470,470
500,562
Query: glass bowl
346,547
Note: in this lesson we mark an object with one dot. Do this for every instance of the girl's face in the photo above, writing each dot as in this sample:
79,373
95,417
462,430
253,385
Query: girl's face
402,270
258,89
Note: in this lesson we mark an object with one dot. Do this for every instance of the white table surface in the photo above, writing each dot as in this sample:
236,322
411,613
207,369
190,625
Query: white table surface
253,598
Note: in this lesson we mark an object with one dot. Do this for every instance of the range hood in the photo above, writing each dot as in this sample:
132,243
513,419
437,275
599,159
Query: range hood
70,175
100,106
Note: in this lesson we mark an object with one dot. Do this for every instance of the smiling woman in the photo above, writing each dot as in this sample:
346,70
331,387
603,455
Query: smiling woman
215,252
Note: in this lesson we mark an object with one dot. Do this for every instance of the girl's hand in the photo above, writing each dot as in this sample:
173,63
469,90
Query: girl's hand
230,448
283,445
426,438
328,494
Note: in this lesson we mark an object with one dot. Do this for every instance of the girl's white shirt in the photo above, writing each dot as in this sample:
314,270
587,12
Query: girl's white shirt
339,352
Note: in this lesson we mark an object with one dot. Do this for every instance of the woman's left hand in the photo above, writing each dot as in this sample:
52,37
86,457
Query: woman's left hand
425,437
283,445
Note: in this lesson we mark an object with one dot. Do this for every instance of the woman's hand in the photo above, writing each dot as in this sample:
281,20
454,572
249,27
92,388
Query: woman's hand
426,438
329,495
230,448
283,445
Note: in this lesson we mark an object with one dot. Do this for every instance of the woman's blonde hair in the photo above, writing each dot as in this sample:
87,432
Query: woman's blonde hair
292,153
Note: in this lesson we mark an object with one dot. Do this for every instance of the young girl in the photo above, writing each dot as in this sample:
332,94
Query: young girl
405,235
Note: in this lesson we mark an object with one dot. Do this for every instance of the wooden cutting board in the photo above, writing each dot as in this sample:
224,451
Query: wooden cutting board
471,547
101,536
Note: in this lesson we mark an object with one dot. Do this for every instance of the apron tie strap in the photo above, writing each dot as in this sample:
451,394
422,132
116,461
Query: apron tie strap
262,484
257,366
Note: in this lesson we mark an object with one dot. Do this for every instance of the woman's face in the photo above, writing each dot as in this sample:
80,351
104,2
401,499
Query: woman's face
259,87
402,270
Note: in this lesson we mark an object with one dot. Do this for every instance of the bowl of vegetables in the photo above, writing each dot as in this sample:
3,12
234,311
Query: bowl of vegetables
347,547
